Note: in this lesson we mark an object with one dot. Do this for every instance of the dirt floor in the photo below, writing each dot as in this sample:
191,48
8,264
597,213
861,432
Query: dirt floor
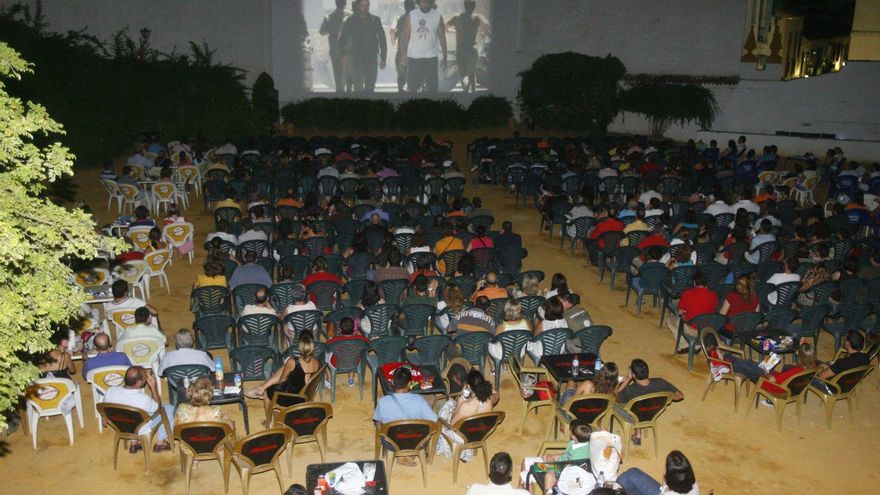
730,453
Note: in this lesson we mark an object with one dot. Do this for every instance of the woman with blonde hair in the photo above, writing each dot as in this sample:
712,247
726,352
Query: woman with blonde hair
199,408
530,286
513,320
293,375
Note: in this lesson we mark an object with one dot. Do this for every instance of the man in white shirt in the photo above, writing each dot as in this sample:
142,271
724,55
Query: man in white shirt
645,197
789,274
227,149
185,353
223,233
718,207
132,393
500,474
745,201
142,329
423,30
261,304
249,233
123,300
765,234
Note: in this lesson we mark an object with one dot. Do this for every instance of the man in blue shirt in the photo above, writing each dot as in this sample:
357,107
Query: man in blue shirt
106,355
250,273
402,405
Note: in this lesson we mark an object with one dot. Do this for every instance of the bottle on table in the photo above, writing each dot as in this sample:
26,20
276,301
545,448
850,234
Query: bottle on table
218,370
575,366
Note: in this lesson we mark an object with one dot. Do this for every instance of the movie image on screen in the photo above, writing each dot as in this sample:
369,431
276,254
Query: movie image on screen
394,46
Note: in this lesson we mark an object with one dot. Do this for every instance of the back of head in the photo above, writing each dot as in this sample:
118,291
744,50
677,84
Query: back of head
581,430
306,345
184,339
200,392
296,488
420,284
483,391
401,378
482,303
394,257
700,279
250,257
507,227
319,264
346,326
142,315
134,375
261,296
299,293
639,369
119,288
679,475
102,342
500,468
806,356
856,340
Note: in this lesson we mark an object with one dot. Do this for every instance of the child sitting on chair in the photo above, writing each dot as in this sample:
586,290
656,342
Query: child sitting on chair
578,449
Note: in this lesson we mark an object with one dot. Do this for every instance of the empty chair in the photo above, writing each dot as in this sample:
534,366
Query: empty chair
308,422
203,441
639,413
258,453
53,397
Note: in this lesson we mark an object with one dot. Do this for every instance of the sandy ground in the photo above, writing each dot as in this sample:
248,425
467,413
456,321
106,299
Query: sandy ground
730,454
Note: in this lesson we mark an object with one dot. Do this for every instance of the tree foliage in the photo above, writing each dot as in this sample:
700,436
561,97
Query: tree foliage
665,104
35,234
571,91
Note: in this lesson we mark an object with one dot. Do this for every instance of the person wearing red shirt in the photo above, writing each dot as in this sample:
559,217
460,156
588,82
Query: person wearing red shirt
696,301
610,223
319,273
655,238
649,167
346,329
742,299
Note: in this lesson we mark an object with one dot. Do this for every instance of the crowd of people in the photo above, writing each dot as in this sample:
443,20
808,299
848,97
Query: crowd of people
401,234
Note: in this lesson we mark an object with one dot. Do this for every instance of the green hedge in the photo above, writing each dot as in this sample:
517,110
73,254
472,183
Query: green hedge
420,114
106,94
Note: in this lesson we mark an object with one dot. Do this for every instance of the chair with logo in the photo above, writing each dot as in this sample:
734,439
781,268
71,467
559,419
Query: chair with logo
135,273
127,422
101,379
140,236
157,261
639,413
122,320
842,386
308,421
131,197
53,397
791,391
145,352
407,438
203,441
474,431
163,194
590,408
258,453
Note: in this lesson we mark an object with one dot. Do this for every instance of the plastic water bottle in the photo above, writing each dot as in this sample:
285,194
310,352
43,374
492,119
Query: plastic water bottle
598,365
575,366
237,380
218,369
601,478
186,383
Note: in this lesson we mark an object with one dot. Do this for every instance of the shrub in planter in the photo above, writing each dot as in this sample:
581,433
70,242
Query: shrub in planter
571,91
339,114
489,111
426,114
665,104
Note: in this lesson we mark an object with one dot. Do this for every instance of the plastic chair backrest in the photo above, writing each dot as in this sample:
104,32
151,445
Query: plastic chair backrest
306,419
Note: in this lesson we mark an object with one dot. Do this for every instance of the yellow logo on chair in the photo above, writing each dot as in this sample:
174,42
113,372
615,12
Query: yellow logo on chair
113,379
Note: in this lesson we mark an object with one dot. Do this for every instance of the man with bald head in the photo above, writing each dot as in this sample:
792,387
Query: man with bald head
106,355
261,304
139,390
488,287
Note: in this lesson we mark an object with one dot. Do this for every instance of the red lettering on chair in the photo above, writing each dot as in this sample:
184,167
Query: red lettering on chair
589,409
121,419
210,438
264,448
648,408
408,435
478,428
299,421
